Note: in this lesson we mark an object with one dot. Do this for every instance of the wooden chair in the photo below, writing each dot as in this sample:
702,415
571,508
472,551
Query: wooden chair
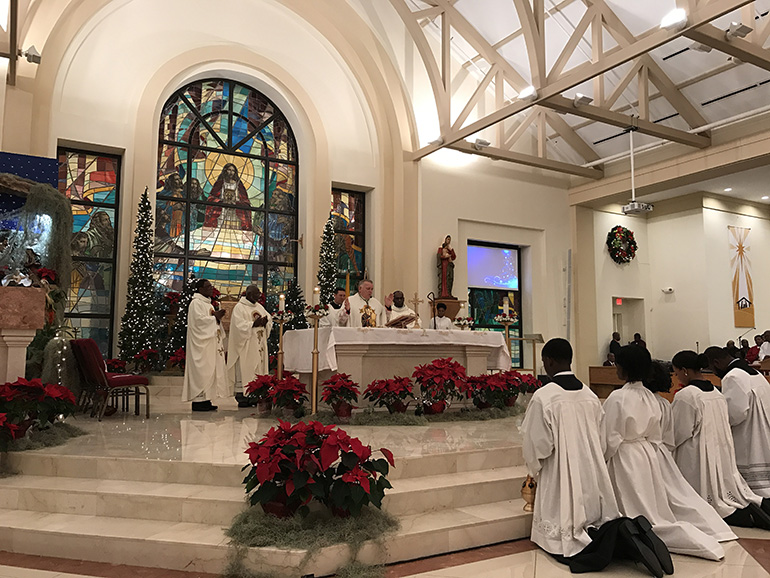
100,385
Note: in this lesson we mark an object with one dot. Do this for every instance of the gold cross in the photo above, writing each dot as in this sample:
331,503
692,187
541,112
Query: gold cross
416,303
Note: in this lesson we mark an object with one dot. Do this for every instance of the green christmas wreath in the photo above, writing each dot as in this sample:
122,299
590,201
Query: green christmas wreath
621,244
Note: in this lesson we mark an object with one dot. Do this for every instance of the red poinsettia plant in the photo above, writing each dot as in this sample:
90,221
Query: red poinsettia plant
146,359
529,383
115,365
172,297
487,390
394,394
26,403
294,464
215,297
178,359
440,381
46,274
261,387
289,392
339,388
8,432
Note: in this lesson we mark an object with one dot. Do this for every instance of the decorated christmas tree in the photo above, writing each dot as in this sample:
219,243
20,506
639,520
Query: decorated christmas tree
139,324
327,264
178,336
295,303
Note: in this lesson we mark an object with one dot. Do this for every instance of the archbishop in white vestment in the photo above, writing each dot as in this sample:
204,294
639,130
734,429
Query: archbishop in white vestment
204,375
247,344
363,310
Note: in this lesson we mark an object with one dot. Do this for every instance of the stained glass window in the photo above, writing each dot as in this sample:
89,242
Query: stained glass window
226,203
91,182
348,210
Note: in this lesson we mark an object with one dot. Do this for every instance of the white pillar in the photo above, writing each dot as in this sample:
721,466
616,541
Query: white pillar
13,352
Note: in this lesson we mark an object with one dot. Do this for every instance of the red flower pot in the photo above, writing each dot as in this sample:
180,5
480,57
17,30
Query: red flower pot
434,408
279,509
511,401
264,407
342,409
483,405
397,407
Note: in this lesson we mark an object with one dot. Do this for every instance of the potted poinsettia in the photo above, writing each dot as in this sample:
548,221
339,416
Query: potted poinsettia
32,404
295,464
440,382
178,359
289,394
394,394
260,391
486,391
512,381
115,365
146,359
340,392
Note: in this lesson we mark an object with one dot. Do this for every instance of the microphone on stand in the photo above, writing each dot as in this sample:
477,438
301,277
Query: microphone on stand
432,298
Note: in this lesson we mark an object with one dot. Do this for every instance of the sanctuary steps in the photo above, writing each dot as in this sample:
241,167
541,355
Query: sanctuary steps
171,514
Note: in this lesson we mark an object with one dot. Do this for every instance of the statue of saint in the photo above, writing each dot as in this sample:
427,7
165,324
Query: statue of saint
446,268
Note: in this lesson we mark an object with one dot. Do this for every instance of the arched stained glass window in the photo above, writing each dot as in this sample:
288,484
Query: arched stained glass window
226,206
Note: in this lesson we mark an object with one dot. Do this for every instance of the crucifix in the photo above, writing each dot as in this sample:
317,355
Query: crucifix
416,303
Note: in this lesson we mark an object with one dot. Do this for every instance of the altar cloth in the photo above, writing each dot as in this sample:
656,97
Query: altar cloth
298,344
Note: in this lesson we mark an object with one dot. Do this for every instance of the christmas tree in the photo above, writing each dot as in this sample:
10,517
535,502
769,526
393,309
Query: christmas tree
178,336
327,264
139,324
295,303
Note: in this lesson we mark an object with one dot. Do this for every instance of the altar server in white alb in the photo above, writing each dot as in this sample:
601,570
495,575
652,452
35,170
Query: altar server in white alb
747,393
636,460
441,321
576,517
205,374
704,452
363,310
335,310
250,326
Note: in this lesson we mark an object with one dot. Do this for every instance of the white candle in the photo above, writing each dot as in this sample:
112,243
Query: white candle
316,296
282,302
505,305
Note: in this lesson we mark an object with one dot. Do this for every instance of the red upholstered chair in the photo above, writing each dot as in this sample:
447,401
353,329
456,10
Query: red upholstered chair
101,384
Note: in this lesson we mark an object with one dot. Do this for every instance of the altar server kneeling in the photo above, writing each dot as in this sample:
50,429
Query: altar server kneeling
576,517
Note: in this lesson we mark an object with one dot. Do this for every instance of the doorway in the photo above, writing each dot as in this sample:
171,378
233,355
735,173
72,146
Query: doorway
628,317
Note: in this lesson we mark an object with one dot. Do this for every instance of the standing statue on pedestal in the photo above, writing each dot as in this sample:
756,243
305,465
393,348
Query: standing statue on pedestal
446,268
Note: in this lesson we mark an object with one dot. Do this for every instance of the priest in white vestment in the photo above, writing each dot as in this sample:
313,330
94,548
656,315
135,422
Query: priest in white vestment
441,321
247,356
363,310
205,376
704,453
399,310
646,481
335,310
576,517
747,393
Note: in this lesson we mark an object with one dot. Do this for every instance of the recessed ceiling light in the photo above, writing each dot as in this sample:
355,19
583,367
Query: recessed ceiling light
765,198
728,189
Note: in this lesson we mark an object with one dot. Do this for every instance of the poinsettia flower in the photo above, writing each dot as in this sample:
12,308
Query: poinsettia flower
388,456
358,476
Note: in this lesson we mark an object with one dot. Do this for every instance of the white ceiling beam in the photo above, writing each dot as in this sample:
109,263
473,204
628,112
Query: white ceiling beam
529,160
741,49
640,46
595,113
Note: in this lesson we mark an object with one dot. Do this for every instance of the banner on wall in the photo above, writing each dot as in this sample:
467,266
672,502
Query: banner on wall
743,286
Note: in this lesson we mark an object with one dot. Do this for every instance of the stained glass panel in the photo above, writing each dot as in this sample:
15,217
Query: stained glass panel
253,146
230,179
90,287
252,108
169,274
87,177
350,255
347,210
230,278
170,224
280,232
93,233
177,121
278,279
226,232
282,190
219,124
97,329
209,97
172,165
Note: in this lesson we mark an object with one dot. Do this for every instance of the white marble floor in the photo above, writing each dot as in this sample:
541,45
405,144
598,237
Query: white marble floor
16,572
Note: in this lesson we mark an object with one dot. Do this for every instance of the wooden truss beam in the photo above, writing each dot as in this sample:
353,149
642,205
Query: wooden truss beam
741,49
595,113
529,160
705,13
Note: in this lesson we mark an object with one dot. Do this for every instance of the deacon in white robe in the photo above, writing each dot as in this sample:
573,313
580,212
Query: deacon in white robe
747,393
441,321
333,319
645,482
247,356
704,453
363,310
205,375
399,310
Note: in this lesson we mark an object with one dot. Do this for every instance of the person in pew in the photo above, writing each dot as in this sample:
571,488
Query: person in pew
645,482
247,356
752,354
610,361
205,375
747,393
764,349
576,518
441,321
701,427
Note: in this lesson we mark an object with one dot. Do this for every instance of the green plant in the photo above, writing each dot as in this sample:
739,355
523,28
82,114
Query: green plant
340,388
327,263
394,394
440,381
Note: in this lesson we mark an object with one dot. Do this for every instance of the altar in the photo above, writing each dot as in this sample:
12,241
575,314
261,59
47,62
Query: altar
367,354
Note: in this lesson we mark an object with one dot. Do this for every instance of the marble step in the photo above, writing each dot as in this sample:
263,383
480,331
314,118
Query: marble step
42,463
203,547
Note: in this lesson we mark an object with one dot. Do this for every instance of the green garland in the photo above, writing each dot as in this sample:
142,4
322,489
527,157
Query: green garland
621,244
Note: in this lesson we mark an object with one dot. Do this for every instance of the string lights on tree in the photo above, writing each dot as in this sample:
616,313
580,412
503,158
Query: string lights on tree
327,264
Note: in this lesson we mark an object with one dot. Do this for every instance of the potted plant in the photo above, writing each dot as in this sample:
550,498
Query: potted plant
340,392
260,392
394,394
440,382
486,391
146,359
28,403
294,464
172,299
178,359
115,366
289,394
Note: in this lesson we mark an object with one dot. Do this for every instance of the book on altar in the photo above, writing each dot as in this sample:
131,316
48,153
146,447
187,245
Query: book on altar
401,322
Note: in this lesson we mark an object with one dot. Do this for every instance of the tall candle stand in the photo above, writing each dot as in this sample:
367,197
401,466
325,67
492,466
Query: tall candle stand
315,313
506,320
281,317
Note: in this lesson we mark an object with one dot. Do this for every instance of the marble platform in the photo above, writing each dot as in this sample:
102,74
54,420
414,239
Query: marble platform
157,492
